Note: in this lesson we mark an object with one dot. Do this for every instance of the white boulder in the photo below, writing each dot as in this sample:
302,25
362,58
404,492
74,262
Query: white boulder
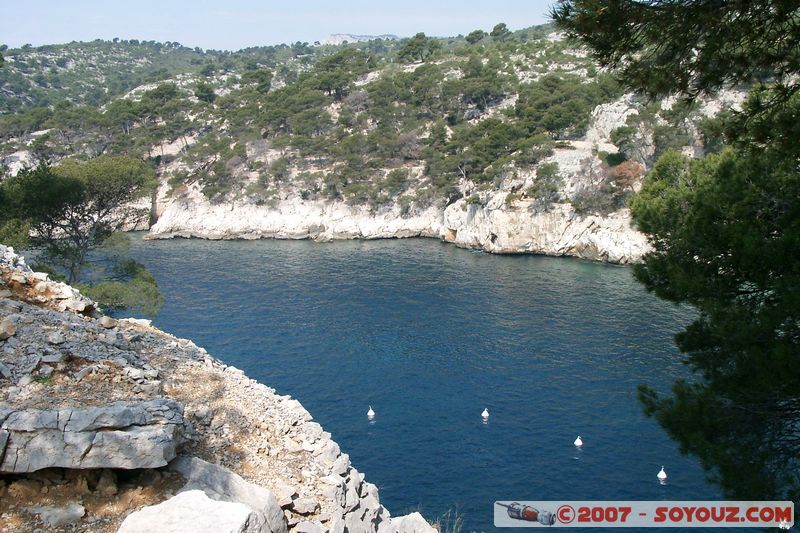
193,512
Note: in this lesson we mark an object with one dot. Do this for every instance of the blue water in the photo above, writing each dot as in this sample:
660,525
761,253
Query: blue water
429,335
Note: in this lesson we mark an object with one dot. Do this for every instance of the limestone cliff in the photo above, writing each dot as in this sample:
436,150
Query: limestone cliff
500,218
497,220
494,227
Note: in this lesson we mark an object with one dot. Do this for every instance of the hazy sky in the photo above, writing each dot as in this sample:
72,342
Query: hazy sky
235,24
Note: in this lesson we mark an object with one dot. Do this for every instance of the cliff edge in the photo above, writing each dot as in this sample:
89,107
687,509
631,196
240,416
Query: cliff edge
114,425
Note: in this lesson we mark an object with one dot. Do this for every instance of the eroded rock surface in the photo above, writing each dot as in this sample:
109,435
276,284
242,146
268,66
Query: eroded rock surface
119,435
221,484
193,512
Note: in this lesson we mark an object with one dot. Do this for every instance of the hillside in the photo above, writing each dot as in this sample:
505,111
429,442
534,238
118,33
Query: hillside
510,142
86,73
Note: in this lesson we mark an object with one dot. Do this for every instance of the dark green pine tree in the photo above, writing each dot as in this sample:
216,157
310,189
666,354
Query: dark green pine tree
725,229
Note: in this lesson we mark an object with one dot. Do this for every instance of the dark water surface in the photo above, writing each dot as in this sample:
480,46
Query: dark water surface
429,335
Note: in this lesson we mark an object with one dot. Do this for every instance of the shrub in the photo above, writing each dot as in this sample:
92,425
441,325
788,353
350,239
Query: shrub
396,181
511,198
547,185
608,188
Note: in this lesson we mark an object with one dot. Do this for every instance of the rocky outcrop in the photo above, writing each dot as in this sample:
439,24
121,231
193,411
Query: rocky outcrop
608,117
497,220
192,215
221,484
411,522
83,397
38,288
557,231
119,435
193,512
492,226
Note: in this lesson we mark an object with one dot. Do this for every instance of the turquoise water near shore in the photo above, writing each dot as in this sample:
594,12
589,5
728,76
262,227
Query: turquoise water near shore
429,335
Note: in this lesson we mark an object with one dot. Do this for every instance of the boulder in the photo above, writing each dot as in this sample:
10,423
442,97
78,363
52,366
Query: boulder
411,523
354,524
75,304
334,490
284,493
54,359
133,373
193,512
369,506
223,485
120,435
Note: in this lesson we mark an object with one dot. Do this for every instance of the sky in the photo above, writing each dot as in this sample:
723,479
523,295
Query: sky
236,24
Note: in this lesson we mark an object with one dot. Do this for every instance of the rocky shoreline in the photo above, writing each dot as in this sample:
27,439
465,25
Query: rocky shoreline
492,226
501,219
114,425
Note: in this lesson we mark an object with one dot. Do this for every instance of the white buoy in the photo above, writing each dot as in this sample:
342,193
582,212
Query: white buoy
578,442
485,413
370,413
661,474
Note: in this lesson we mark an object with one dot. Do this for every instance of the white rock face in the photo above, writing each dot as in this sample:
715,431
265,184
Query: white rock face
493,228
192,512
223,485
608,117
411,523
192,215
17,161
725,99
558,231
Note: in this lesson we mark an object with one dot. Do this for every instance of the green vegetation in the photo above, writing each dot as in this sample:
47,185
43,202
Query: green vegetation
85,73
342,118
130,286
500,32
670,131
666,46
419,48
476,36
725,229
547,185
73,209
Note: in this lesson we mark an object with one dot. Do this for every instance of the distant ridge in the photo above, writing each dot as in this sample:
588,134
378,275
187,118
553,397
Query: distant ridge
341,38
